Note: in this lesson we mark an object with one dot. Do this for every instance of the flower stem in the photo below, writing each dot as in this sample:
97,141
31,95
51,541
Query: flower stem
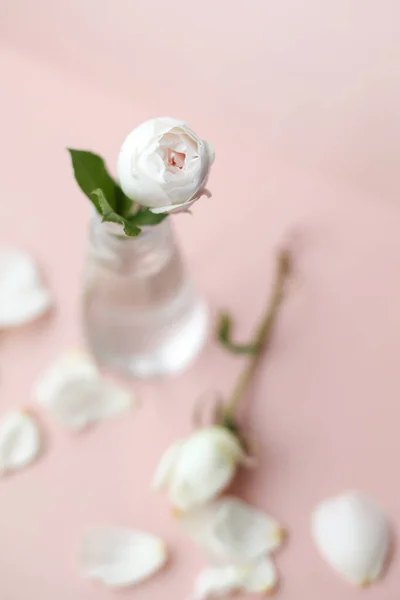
262,337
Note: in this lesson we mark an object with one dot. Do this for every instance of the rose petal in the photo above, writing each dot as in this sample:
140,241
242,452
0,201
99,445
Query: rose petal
120,557
183,207
166,466
23,298
19,441
175,208
214,582
72,366
22,310
211,151
231,531
352,534
261,578
137,184
75,393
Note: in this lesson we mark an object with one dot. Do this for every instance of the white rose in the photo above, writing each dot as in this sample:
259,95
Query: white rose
197,469
164,165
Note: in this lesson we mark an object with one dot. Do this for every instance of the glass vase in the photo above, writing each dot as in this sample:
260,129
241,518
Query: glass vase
142,314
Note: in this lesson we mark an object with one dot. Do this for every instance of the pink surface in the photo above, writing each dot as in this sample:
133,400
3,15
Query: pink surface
326,404
318,81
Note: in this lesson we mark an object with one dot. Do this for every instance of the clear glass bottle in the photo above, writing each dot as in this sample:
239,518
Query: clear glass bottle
142,315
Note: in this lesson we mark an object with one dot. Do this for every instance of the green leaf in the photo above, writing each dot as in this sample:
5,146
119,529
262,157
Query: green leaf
123,204
91,174
109,215
146,217
224,332
230,424
107,196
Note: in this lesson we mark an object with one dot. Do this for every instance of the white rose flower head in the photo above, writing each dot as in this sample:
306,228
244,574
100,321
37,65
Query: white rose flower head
164,165
197,469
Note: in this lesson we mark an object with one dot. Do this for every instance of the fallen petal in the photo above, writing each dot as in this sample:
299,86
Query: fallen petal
258,578
19,441
120,557
214,582
77,395
23,297
72,366
352,534
231,531
261,578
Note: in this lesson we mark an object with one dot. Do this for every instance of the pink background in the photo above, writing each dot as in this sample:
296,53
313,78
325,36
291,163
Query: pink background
301,100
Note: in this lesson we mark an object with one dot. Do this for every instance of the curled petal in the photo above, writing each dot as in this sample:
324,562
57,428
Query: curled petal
174,208
182,207
352,534
19,441
120,557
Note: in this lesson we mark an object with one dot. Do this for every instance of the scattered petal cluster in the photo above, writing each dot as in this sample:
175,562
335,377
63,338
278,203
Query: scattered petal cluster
351,531
72,390
238,540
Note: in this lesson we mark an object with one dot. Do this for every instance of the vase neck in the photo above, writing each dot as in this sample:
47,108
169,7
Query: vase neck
109,240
